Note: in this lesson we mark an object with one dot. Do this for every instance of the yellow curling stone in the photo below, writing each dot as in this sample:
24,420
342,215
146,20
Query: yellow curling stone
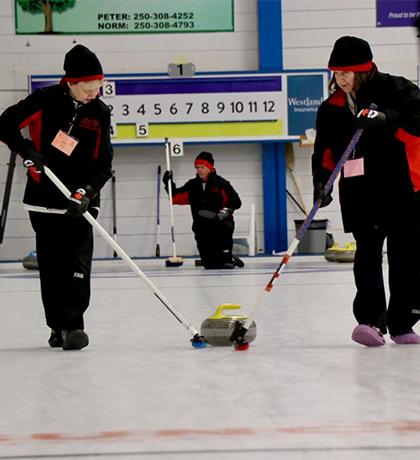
341,254
218,328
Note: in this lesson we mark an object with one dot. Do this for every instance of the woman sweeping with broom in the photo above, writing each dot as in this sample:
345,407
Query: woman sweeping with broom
379,187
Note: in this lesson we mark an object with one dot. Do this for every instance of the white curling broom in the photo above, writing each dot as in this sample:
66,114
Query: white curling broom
173,261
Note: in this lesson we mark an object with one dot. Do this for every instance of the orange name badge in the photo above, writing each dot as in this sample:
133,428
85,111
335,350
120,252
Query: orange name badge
354,168
64,142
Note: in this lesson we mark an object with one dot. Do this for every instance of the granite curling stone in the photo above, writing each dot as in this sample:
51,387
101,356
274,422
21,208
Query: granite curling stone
341,254
218,328
30,262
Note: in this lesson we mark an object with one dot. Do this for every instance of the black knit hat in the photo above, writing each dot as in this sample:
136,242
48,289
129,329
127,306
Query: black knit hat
206,159
81,64
351,54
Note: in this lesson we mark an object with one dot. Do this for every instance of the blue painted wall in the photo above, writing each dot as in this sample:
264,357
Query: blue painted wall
274,168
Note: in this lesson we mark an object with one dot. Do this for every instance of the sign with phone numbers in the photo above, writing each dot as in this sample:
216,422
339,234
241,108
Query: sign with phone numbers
213,107
119,17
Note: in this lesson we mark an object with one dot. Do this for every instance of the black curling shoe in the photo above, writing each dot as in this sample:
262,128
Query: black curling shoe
228,265
55,340
75,339
238,262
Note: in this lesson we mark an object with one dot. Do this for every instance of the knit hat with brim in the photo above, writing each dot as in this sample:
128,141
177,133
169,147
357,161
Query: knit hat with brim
351,54
81,64
206,159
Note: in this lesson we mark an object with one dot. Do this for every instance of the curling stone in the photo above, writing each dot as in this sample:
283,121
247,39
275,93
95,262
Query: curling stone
331,253
336,253
347,253
30,262
218,328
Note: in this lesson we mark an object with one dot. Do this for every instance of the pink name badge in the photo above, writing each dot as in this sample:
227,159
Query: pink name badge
65,143
354,168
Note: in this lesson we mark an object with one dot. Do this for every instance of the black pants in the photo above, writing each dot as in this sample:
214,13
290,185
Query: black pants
214,241
64,249
369,306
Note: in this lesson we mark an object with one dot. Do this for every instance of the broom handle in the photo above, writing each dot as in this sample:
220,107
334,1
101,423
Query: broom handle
157,251
7,191
171,208
97,226
114,207
300,233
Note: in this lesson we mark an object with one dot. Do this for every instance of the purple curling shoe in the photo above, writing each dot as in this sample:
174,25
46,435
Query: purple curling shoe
368,335
406,339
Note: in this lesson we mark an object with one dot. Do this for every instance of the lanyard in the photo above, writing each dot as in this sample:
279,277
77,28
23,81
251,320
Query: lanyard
77,106
353,109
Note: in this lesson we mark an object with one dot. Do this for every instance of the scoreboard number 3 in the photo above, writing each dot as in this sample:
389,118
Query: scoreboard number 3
108,89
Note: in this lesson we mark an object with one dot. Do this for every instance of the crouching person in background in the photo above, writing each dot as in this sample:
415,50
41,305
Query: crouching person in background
213,201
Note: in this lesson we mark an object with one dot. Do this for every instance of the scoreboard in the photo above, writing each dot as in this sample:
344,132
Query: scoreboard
210,108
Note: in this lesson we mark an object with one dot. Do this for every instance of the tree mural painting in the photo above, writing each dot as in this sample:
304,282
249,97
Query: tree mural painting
46,7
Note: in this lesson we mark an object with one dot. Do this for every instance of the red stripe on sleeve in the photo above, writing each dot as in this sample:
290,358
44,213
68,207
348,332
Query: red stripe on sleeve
328,160
412,149
181,198
35,126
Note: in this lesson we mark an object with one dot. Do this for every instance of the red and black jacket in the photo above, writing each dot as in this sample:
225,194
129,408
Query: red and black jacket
45,112
391,155
213,195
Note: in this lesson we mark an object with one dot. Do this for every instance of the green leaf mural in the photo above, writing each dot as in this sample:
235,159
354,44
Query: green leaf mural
46,7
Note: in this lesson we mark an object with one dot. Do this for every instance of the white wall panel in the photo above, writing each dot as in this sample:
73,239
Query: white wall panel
135,168
305,6
310,28
340,20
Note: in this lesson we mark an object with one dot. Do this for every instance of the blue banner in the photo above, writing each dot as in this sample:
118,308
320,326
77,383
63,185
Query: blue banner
189,85
402,13
304,95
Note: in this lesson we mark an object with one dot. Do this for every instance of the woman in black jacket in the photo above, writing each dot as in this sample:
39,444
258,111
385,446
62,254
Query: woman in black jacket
209,192
379,186
69,128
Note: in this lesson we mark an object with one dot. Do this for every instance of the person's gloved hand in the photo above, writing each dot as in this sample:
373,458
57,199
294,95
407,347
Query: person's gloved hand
370,118
224,214
32,159
319,195
80,200
167,177
34,172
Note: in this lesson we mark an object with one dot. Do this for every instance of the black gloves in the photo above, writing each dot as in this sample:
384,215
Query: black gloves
319,195
167,177
79,201
369,118
31,157
34,172
224,214
32,160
